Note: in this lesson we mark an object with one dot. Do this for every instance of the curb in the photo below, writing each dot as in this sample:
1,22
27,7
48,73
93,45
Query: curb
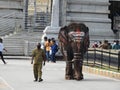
101,72
17,57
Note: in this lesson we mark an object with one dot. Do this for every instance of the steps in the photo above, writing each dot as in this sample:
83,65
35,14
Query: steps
21,43
11,16
39,22
93,13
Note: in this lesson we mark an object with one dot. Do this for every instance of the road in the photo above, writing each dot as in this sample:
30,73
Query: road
18,75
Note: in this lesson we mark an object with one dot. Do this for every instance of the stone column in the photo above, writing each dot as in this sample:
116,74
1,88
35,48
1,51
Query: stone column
55,14
52,30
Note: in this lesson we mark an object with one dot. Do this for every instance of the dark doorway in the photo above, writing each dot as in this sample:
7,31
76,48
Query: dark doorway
114,14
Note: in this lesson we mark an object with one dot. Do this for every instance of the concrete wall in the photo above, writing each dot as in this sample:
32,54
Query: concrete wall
11,6
94,13
11,11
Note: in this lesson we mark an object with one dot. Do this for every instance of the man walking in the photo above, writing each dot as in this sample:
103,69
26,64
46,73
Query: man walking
38,57
1,49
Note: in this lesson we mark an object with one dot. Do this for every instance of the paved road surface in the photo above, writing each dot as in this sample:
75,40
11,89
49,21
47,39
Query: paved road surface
18,75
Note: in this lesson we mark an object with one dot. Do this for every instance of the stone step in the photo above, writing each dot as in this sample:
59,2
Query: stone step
93,13
88,19
21,43
89,2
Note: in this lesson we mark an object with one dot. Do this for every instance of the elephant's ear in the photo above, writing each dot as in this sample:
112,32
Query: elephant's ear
62,36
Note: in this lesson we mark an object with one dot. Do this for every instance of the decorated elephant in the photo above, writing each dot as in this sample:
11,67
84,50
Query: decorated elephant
73,43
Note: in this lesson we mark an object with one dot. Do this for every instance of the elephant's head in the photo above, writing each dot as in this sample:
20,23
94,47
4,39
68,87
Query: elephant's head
78,37
75,35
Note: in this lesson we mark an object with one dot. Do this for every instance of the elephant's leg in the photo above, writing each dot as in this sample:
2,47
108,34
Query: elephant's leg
81,74
78,70
69,71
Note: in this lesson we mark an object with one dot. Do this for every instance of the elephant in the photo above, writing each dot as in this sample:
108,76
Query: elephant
74,42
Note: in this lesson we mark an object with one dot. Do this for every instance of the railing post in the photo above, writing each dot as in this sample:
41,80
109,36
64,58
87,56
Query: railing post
118,60
26,14
109,57
87,57
94,55
101,57
26,48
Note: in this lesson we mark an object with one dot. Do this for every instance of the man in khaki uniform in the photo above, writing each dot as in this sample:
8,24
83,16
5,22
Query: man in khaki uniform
38,56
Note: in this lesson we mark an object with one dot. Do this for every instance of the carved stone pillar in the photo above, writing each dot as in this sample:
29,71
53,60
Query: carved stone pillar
52,30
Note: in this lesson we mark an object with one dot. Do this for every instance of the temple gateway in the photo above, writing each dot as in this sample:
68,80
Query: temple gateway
25,21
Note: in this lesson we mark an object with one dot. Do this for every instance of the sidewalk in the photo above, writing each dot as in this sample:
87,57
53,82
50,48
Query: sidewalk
106,73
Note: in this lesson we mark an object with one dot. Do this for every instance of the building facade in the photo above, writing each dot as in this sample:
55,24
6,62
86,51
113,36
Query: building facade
11,15
94,13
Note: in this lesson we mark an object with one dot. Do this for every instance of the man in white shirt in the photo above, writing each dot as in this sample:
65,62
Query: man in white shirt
1,49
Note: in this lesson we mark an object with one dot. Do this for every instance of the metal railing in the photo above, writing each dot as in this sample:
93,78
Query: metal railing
103,58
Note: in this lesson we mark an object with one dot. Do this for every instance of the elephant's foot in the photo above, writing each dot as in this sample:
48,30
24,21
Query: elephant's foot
68,77
79,78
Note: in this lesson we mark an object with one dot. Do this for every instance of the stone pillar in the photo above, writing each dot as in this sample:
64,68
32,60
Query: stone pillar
55,14
52,30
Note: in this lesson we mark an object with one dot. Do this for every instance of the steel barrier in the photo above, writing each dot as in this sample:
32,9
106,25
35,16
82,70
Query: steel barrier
103,58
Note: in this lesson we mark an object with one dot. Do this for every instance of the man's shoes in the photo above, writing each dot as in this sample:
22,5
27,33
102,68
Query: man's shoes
5,63
35,80
40,80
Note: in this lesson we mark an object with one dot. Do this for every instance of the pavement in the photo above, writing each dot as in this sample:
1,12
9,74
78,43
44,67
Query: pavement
3,84
17,75
86,69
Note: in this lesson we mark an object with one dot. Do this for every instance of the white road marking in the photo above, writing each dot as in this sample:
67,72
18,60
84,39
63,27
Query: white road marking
5,82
